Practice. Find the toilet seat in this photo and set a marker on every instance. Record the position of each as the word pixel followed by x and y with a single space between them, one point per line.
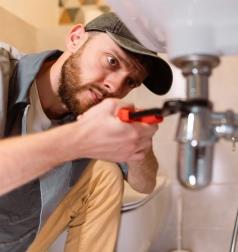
pixel 133 199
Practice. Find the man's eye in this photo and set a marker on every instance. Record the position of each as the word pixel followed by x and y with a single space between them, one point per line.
pixel 132 83
pixel 112 61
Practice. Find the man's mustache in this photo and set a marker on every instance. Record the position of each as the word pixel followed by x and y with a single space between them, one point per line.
pixel 96 88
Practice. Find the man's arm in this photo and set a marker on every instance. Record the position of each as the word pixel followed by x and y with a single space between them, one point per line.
pixel 142 174
pixel 97 134
pixel 27 157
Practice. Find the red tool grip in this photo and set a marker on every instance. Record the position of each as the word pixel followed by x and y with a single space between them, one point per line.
pixel 126 115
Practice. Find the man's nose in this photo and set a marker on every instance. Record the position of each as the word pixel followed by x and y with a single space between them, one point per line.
pixel 115 83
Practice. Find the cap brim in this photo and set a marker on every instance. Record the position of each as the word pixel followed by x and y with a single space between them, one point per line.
pixel 160 77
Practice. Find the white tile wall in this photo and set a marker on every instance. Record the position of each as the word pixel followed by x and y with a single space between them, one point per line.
pixel 225 167
pixel 166 241
pixel 212 207
pixel 208 214
pixel 207 240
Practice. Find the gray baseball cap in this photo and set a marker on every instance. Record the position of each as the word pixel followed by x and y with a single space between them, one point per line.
pixel 160 75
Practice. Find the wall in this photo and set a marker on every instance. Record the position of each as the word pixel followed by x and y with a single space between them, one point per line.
pixel 30 30
pixel 17 32
pixel 209 214
pixel 38 13
pixel 51 37
pixel 28 38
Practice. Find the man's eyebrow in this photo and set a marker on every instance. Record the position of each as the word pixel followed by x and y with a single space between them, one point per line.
pixel 134 61
pixel 121 58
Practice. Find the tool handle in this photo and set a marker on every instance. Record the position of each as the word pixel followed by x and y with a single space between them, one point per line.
pixel 130 115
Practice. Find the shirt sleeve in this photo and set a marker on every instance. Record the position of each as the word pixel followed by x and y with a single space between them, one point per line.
pixel 124 168
pixel 8 58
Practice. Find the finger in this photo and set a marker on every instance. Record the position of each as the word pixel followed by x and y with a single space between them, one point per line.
pixel 144 146
pixel 138 156
pixel 145 130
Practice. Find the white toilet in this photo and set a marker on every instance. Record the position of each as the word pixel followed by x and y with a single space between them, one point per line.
pixel 143 217
pixel 142 221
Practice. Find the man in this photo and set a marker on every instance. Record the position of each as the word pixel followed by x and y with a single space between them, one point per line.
pixel 67 104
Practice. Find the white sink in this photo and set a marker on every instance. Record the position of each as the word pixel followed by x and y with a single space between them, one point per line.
pixel 185 26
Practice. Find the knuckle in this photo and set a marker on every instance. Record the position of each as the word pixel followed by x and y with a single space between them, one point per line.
pixel 135 135
pixel 110 101
pixel 142 156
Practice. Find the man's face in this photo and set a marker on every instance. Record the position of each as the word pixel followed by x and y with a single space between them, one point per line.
pixel 98 70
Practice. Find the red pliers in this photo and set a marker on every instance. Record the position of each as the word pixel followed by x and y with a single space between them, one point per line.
pixel 156 115
pixel 150 116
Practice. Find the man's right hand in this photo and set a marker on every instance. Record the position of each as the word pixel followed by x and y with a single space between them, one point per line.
pixel 97 134
pixel 100 134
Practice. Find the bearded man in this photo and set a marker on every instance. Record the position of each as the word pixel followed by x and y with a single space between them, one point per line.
pixel 58 122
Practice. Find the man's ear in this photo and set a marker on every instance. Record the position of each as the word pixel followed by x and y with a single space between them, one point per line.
pixel 76 37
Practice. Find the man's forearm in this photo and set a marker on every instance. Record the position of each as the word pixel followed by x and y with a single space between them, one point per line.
pixel 142 174
pixel 24 158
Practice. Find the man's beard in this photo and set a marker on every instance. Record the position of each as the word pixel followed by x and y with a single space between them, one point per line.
pixel 71 88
